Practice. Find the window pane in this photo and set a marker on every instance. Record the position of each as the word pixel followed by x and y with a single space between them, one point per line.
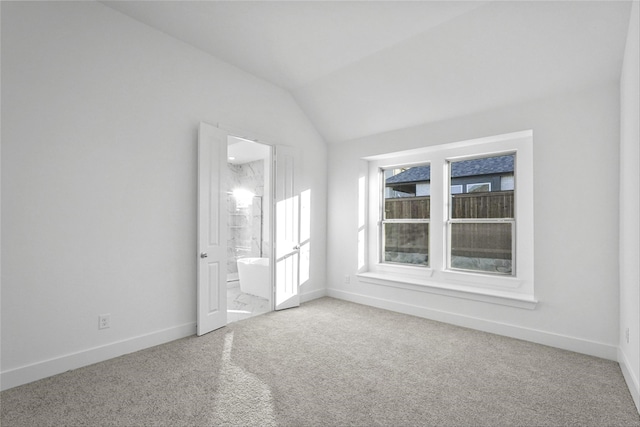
pixel 406 243
pixel 407 193
pixel 482 247
pixel 488 187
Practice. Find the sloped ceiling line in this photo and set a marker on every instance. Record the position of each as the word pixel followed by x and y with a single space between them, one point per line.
pixel 362 68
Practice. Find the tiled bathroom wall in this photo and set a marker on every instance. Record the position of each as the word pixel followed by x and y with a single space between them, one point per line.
pixel 246 219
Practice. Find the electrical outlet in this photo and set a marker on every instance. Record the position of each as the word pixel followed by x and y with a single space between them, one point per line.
pixel 104 321
pixel 626 335
pixel 347 279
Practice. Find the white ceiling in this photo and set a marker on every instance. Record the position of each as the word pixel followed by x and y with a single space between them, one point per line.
pixel 365 67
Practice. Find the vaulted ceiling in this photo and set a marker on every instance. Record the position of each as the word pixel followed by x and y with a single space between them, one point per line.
pixel 366 67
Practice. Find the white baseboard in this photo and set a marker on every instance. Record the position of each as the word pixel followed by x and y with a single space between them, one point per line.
pixel 630 378
pixel 564 342
pixel 36 371
pixel 309 296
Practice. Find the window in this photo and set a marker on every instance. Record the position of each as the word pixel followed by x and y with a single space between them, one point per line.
pixel 506 182
pixel 478 188
pixel 405 216
pixel 481 222
pixel 455 219
pixel 456 189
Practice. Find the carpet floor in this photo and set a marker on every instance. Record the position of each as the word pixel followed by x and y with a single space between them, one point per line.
pixel 333 363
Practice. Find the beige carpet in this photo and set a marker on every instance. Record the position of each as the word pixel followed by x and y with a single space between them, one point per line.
pixel 333 363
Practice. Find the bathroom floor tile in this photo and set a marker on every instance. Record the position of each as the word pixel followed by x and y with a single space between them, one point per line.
pixel 242 306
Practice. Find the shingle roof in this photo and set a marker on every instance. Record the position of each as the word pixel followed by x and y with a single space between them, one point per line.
pixel 484 166
pixel 415 174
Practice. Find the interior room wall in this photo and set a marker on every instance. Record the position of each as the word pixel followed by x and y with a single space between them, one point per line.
pixel 100 117
pixel 630 208
pixel 576 160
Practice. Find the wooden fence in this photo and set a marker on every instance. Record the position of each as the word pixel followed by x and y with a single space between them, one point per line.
pixel 497 204
pixel 481 240
pixel 408 207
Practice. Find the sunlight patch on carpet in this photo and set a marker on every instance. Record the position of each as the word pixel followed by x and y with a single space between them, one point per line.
pixel 242 399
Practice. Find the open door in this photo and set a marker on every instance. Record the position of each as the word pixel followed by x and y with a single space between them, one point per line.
pixel 212 229
pixel 287 232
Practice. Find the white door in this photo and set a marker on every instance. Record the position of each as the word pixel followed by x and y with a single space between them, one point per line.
pixel 287 254
pixel 212 229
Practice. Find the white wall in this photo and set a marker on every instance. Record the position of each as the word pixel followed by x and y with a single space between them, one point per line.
pixel 576 158
pixel 629 356
pixel 100 117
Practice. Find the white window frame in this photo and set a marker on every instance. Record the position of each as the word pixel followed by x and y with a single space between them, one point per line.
pixel 515 290
pixel 450 221
pixel 382 222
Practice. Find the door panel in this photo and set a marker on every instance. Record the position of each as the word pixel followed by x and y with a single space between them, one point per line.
pixel 287 254
pixel 212 229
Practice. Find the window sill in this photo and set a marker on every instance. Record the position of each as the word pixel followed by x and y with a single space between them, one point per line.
pixel 453 284
pixel 470 278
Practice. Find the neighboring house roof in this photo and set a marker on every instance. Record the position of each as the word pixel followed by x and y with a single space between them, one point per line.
pixel 415 174
pixel 485 166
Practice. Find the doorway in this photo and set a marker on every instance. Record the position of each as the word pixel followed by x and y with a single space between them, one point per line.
pixel 249 228
pixel 280 230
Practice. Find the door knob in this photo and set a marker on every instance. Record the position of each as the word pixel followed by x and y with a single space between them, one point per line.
pixel 203 255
